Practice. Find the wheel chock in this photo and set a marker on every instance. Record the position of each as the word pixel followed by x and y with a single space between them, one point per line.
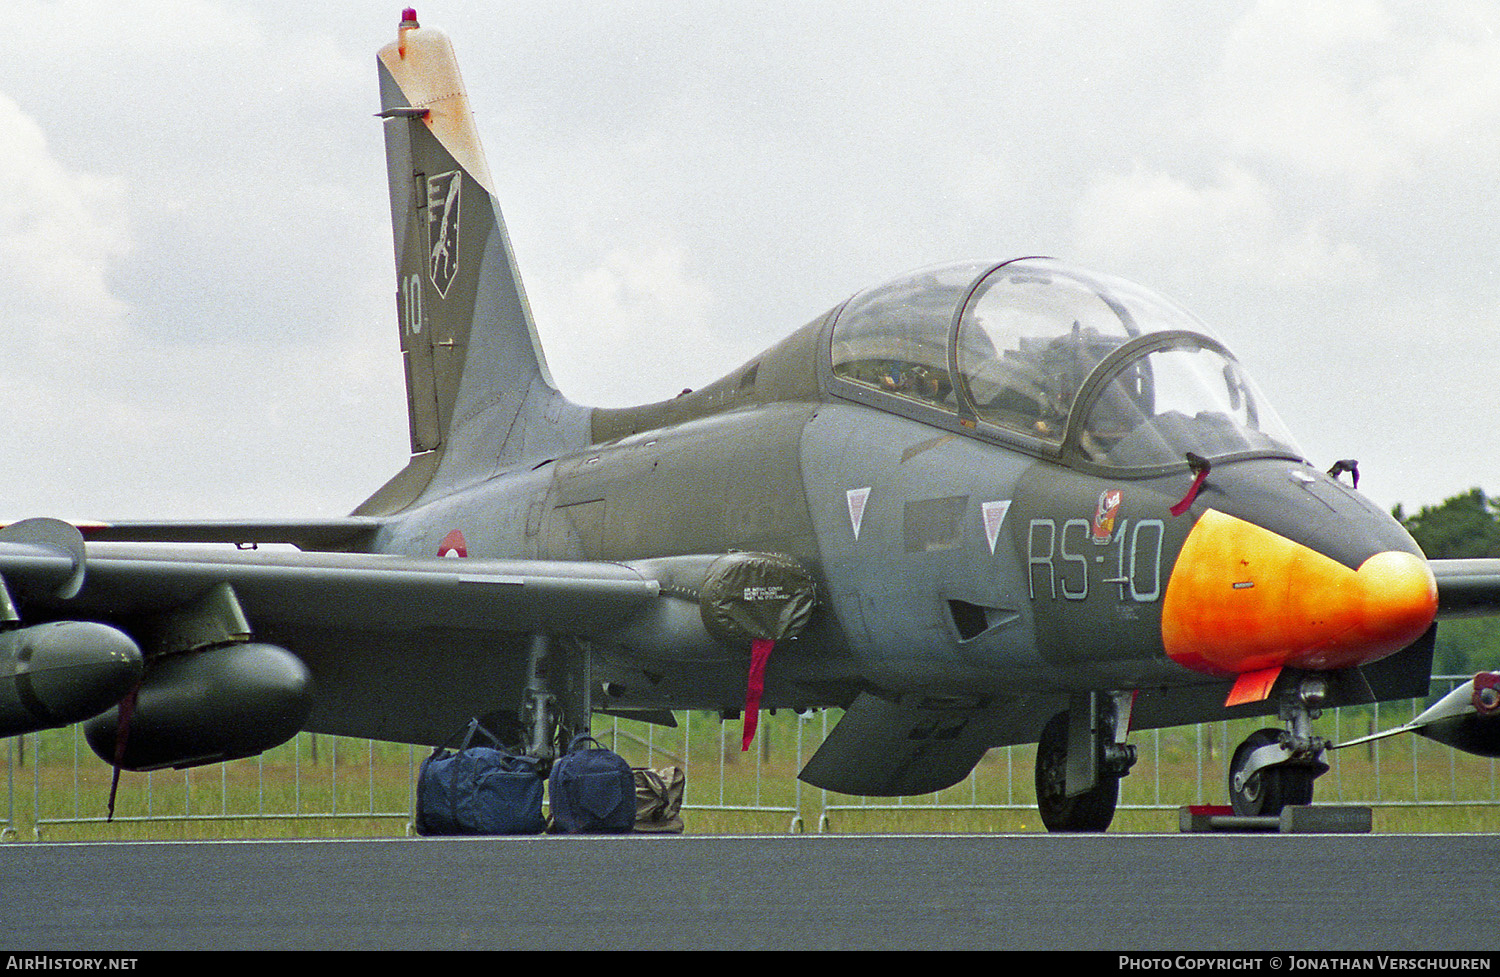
pixel 1294 819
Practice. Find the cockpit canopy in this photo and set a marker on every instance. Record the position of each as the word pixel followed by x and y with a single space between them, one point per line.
pixel 1057 360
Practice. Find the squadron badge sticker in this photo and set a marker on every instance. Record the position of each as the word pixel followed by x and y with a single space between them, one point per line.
pixel 442 229
pixel 1105 513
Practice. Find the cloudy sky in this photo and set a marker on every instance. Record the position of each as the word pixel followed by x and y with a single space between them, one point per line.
pixel 196 281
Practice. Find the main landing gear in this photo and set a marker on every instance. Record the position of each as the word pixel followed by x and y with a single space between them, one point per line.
pixel 556 703
pixel 1272 769
pixel 1079 762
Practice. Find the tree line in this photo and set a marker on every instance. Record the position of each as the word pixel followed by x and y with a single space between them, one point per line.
pixel 1467 526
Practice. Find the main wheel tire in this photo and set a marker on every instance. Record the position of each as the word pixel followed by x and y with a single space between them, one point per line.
pixel 1268 790
pixel 1093 810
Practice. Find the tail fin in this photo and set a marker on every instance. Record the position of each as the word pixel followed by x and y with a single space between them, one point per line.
pixel 477 384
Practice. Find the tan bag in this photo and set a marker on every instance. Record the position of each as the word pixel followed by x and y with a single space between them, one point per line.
pixel 658 799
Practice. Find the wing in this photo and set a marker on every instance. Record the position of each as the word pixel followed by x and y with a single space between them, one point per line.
pixel 292 592
pixel 1467 588
pixel 373 645
pixel 395 647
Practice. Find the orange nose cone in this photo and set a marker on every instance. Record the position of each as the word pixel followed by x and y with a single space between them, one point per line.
pixel 1242 598
pixel 1400 599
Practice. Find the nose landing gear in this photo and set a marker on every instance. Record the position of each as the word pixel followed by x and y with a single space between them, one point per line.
pixel 1273 769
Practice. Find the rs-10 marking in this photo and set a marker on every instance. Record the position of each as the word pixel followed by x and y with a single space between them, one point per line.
pixel 1065 556
pixel 410 304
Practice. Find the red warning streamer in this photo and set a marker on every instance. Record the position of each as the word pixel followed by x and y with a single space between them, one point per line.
pixel 1201 467
pixel 760 653
pixel 122 731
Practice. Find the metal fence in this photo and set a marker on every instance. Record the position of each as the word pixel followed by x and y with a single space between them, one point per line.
pixel 320 785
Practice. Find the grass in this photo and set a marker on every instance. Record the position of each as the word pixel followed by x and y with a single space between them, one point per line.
pixel 321 786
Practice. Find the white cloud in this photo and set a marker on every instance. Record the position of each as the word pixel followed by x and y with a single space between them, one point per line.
pixel 61 234
pixel 1290 88
pixel 87 25
pixel 1359 92
pixel 627 325
pixel 1445 110
pixel 105 417
pixel 1229 230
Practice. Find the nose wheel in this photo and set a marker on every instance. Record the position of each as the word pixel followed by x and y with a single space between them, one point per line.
pixel 1273 769
pixel 1264 791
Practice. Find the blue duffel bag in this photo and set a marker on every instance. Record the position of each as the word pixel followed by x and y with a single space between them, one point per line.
pixel 479 790
pixel 591 790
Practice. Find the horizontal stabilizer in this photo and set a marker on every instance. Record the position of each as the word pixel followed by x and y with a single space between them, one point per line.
pixel 350 532
pixel 48 552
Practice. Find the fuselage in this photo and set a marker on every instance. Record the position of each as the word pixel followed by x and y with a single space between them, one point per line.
pixel 960 544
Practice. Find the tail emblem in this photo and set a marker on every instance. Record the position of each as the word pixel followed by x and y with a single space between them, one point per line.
pixel 442 229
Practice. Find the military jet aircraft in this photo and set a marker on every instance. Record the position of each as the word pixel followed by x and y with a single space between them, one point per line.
pixel 988 503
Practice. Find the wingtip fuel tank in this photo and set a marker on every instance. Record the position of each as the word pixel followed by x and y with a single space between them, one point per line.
pixel 62 672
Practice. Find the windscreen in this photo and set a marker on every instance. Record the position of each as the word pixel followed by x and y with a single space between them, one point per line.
pixel 1156 407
